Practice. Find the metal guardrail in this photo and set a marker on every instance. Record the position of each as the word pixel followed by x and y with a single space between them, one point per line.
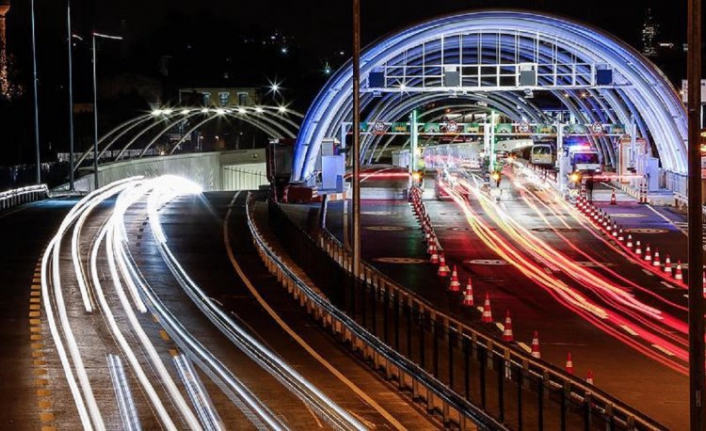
pixel 438 398
pixel 557 394
pixel 15 197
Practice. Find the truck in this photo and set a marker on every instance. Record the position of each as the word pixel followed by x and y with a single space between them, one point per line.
pixel 585 160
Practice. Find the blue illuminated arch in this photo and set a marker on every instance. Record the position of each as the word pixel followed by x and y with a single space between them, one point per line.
pixel 647 98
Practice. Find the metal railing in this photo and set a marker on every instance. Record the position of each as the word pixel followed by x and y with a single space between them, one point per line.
pixel 438 398
pixel 503 380
pixel 15 197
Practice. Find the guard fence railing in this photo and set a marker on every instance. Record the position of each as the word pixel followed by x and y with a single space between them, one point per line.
pixel 500 378
pixel 455 411
pixel 14 197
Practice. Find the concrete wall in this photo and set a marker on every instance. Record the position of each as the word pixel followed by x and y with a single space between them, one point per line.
pixel 205 169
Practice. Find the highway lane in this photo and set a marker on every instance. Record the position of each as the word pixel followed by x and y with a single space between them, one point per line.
pixel 25 231
pixel 532 307
pixel 195 232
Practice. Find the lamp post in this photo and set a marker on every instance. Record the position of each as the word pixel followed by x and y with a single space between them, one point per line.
pixel 697 374
pixel 71 95
pixel 36 101
pixel 356 140
pixel 95 35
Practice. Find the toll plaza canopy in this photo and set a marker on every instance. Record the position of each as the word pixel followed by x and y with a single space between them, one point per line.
pixel 501 58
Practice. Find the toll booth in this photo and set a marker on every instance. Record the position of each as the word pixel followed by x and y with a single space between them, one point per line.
pixel 333 165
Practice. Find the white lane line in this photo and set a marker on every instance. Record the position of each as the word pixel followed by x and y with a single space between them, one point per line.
pixel 663 350
pixel 357 390
pixel 629 330
pixel 671 286
pixel 648 272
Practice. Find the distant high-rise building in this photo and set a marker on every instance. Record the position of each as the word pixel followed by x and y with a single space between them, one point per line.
pixel 4 80
pixel 649 32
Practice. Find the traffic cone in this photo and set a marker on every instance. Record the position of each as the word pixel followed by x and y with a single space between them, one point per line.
pixel 468 295
pixel 615 230
pixel 678 275
pixel 569 364
pixel 434 255
pixel 638 248
pixel 648 253
pixel 613 200
pixel 656 262
pixel 507 331
pixel 589 377
pixel 454 286
pixel 668 265
pixel 703 281
pixel 535 346
pixel 629 243
pixel 443 268
pixel 621 236
pixel 607 225
pixel 430 244
pixel 487 313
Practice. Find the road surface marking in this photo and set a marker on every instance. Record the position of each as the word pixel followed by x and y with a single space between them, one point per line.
pixel 163 334
pixel 666 283
pixel 35 322
pixel 480 309
pixel 524 346
pixel 629 330
pixel 46 417
pixel 43 392
pixel 296 337
pixel 36 286
pixel 35 293
pixel 39 362
pixel 647 272
pixel 500 326
pixel 34 307
pixel 35 314
pixel 663 350
pixel 44 404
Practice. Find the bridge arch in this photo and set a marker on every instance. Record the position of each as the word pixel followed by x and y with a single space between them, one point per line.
pixel 566 56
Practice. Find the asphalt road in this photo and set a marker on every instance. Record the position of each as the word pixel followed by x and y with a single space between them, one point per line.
pixel 24 232
pixel 390 238
pixel 194 228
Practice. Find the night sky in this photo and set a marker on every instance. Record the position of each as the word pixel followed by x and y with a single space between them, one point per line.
pixel 324 25
pixel 317 30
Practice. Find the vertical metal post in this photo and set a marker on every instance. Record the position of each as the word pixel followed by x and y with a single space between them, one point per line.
pixel 697 374
pixel 95 114
pixel 356 139
pixel 36 102
pixel 71 95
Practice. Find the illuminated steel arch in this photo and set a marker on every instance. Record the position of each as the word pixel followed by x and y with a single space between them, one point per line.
pixel 486 52
pixel 273 120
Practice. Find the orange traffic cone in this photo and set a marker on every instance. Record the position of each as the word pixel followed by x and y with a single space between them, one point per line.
pixel 507 331
pixel 629 243
pixel 454 286
pixel 613 200
pixel 434 255
pixel 668 265
pixel 468 294
pixel 443 268
pixel 589 377
pixel 638 248
pixel 678 275
pixel 569 364
pixel 487 313
pixel 535 346
pixel 656 262
pixel 648 253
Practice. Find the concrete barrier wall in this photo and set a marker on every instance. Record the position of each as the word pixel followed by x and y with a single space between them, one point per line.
pixel 205 169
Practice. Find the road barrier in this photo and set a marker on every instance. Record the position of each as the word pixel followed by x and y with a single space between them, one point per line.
pixel 15 197
pixel 455 410
pixel 500 378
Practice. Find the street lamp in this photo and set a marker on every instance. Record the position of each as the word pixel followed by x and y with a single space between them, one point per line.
pixel 36 99
pixel 69 42
pixel 95 35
